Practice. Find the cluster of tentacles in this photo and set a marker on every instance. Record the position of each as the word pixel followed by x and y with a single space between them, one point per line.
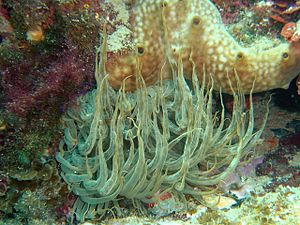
pixel 164 138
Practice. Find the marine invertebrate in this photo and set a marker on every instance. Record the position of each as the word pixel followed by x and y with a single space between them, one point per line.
pixel 35 35
pixel 163 138
pixel 291 31
pixel 284 11
pixel 193 28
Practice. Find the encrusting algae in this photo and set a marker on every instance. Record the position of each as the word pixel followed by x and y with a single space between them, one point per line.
pixel 172 29
pixel 166 138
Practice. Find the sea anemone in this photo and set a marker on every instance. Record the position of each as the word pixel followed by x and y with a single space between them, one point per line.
pixel 165 138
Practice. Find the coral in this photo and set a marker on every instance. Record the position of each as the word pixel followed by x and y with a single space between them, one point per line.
pixel 162 138
pixel 192 29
